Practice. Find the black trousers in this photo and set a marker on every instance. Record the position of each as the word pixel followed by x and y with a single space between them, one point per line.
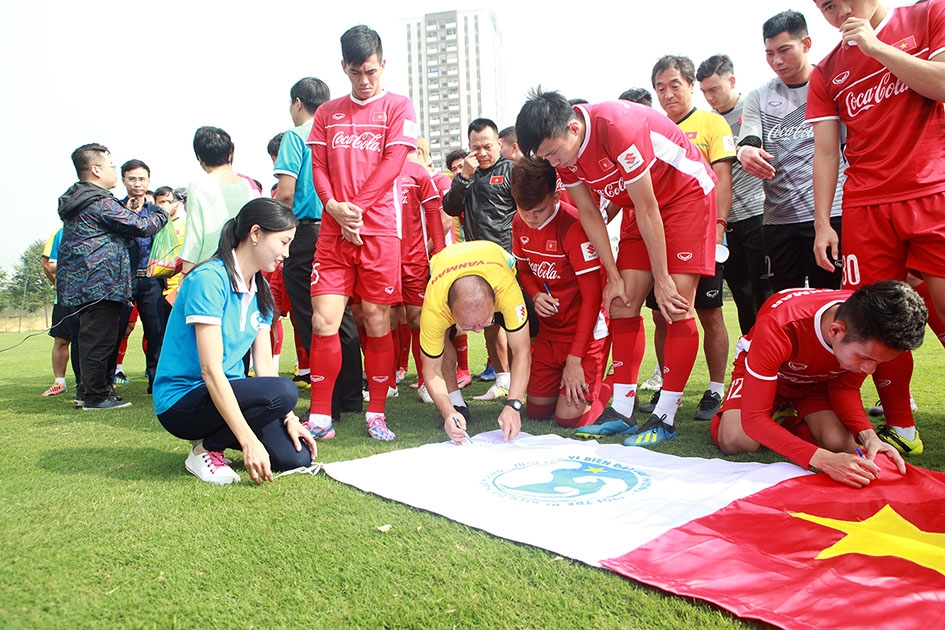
pixel 98 330
pixel 297 276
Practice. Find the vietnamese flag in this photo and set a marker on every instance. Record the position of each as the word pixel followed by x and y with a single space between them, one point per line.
pixel 810 553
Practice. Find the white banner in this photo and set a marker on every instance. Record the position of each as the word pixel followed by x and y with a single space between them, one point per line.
pixel 582 500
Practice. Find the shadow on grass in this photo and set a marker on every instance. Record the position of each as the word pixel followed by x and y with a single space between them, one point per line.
pixel 125 464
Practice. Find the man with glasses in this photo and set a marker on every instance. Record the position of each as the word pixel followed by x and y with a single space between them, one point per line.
pixel 94 274
pixel 472 287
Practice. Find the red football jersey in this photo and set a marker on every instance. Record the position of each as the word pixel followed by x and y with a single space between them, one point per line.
pixel 558 258
pixel 786 354
pixel 421 204
pixel 895 136
pixel 349 139
pixel 623 142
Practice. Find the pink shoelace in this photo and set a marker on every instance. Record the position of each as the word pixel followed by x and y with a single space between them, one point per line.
pixel 215 460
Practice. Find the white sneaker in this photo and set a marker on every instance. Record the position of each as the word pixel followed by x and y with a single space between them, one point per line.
pixel 655 382
pixel 493 393
pixel 424 395
pixel 392 392
pixel 210 466
pixel 877 409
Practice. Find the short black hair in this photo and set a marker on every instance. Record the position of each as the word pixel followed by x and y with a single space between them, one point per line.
pixel 716 64
pixel 164 190
pixel 637 95
pixel 455 154
pixel 213 146
pixel 311 92
pixel 669 62
pixel 544 115
pixel 274 143
pixel 508 134
pixel 791 21
pixel 888 311
pixel 131 165
pixel 358 43
pixel 87 156
pixel 479 124
pixel 531 181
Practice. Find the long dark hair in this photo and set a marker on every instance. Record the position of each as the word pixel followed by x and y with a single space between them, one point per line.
pixel 271 216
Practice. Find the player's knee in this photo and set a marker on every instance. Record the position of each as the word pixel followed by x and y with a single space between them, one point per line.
pixel 540 411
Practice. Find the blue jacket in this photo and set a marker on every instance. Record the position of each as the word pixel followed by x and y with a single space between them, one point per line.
pixel 93 255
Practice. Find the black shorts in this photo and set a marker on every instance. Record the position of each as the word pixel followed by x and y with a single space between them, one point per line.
pixel 791 250
pixel 708 292
pixel 63 322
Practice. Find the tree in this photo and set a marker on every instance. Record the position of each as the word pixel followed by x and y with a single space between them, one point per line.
pixel 29 289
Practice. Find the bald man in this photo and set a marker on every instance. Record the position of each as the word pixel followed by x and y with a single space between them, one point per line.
pixel 472 286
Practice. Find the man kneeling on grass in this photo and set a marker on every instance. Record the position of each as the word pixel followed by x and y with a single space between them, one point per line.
pixel 813 349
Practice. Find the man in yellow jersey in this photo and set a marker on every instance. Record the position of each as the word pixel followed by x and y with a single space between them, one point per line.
pixel 472 286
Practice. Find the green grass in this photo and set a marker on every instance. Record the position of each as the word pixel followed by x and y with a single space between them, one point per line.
pixel 100 525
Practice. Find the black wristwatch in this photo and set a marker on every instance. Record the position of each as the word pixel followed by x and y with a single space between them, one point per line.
pixel 514 404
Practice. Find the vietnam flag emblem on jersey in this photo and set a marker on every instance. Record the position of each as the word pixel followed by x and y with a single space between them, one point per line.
pixel 605 164
pixel 496 180
pixel 907 43
pixel 379 117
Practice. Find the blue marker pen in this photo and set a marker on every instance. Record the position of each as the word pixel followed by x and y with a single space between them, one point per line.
pixel 548 291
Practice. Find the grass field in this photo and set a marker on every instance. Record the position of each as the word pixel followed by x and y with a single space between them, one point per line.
pixel 101 526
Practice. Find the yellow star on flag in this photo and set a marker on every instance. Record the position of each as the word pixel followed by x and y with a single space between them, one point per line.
pixel 594 469
pixel 886 533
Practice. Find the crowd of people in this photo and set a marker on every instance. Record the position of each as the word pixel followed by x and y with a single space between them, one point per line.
pixel 783 193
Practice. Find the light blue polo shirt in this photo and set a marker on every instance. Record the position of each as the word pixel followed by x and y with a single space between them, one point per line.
pixel 206 297
pixel 295 160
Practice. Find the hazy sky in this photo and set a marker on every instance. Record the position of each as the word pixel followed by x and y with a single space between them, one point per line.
pixel 140 77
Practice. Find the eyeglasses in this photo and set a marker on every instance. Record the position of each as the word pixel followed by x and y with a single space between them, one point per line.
pixel 476 327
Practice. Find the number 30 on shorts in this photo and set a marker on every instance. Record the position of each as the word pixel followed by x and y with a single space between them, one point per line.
pixel 851 271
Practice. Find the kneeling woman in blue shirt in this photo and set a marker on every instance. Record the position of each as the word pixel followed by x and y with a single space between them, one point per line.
pixel 201 392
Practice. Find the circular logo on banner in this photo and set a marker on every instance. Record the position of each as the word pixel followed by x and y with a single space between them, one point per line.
pixel 579 481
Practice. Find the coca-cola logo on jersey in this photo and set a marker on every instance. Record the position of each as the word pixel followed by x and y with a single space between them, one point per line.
pixel 612 190
pixel 857 103
pixel 797 132
pixel 366 141
pixel 545 270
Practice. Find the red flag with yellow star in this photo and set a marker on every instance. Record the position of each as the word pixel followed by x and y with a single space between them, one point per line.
pixel 810 553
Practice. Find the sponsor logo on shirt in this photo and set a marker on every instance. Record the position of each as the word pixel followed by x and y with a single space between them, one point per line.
pixel 524 240
pixel 389 290
pixel 882 383
pixel 521 313
pixel 612 190
pixel 797 367
pixel 857 103
pixel 589 252
pixel 841 78
pixel 631 159
pixel 316 378
pixel 410 129
pixel 551 246
pixel 545 270
pixel 797 132
pixel 712 293
pixel 337 116
pixel 497 180
pixel 366 141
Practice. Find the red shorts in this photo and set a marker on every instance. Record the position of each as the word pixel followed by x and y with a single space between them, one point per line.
pixel 548 358
pixel 882 242
pixel 371 270
pixel 689 230
pixel 277 286
pixel 806 399
pixel 414 278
